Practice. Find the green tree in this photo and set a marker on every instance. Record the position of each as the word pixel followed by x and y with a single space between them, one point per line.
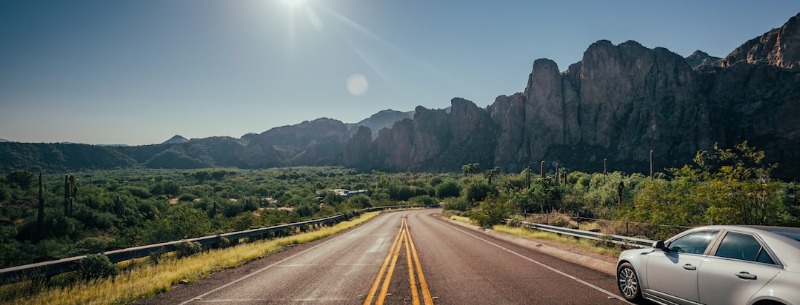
pixel 360 201
pixel 448 188
pixel 477 191
pixel 736 184
pixel 490 212
pixel 491 174
pixel 469 169
pixel 544 195
pixel 21 178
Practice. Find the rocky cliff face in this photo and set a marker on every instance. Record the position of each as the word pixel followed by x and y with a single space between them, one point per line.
pixel 702 59
pixel 779 47
pixel 318 142
pixel 436 140
pixel 618 103
pixel 382 119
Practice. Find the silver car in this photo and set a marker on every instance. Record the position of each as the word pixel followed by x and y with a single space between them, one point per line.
pixel 725 265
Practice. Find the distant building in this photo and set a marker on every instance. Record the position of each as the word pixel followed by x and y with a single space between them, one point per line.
pixel 345 194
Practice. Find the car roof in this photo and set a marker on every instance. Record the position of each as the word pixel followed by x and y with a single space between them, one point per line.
pixel 752 228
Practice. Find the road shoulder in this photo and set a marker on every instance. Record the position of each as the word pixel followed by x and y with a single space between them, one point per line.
pixel 602 263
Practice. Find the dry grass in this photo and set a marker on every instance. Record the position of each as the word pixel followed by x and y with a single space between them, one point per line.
pixel 597 247
pixel 144 280
pixel 462 219
pixel 591 245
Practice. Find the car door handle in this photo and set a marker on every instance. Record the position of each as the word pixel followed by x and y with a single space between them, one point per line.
pixel 746 276
pixel 689 267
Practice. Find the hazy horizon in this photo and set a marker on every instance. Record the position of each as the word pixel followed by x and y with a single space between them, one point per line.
pixel 134 73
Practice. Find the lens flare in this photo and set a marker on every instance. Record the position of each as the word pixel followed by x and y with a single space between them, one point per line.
pixel 357 84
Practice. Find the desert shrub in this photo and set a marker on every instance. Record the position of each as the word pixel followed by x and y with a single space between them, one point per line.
pixel 232 209
pixel 187 198
pixel 156 256
pixel 224 242
pixel 305 210
pixel 456 204
pixel 490 212
pixel 188 248
pixel 400 193
pixel 89 245
pixel 478 191
pixel 94 218
pixel 182 222
pixel 360 202
pixel 424 200
pixel 140 192
pixel 95 266
pixel 447 189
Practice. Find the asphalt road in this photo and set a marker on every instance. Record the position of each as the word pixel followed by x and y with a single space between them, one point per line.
pixel 426 259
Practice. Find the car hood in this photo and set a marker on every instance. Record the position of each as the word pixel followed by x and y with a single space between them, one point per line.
pixel 635 252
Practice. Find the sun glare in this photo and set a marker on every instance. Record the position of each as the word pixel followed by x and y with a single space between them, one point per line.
pixel 294 3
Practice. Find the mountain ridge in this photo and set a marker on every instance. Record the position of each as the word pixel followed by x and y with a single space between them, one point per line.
pixel 176 139
pixel 617 103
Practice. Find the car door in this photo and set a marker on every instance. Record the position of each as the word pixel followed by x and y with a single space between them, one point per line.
pixel 739 266
pixel 672 275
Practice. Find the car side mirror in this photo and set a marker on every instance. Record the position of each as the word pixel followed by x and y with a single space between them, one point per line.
pixel 659 244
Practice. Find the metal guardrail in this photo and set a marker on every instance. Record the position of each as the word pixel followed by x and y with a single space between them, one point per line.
pixel 616 239
pixel 55 267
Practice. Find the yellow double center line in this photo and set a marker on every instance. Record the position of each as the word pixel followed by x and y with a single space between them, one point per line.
pixel 390 262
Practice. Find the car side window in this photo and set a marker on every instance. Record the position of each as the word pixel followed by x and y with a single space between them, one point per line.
pixel 743 247
pixel 693 243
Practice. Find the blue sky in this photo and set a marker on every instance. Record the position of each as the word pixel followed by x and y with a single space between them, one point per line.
pixel 138 72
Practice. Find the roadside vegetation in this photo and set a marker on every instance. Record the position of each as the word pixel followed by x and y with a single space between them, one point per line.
pixel 93 212
pixel 722 186
pixel 598 247
pixel 143 278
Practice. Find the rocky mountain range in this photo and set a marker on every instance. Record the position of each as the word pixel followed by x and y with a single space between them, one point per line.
pixel 618 103
pixel 177 139
pixel 699 59
pixel 380 120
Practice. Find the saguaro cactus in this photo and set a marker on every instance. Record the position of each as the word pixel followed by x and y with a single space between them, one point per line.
pixel 70 192
pixel 557 175
pixel 527 177
pixel 40 216
pixel 541 169
pixel 66 195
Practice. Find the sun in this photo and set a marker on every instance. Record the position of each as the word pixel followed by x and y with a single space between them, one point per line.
pixel 294 3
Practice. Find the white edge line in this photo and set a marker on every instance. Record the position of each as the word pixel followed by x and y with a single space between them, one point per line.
pixel 545 266
pixel 200 297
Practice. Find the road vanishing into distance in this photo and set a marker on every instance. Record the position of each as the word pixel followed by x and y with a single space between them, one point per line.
pixel 426 259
